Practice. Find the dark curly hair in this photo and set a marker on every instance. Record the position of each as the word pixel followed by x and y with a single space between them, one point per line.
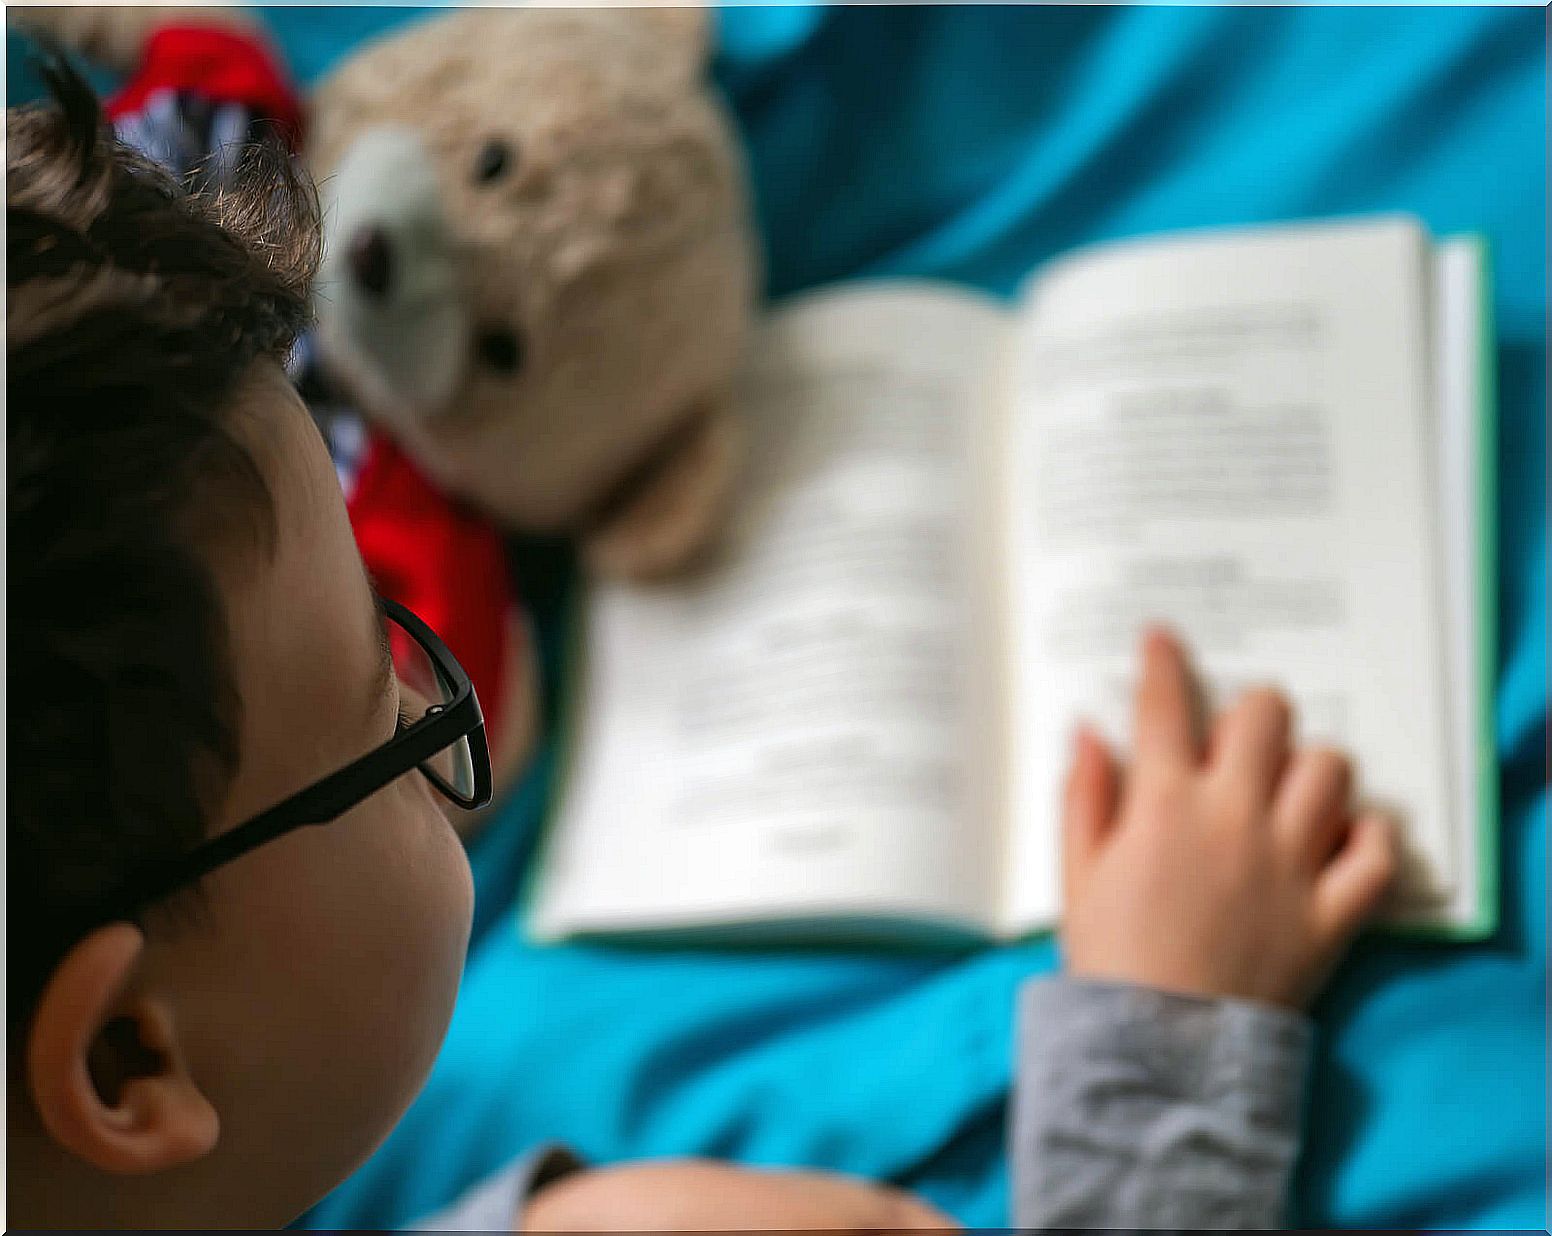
pixel 134 308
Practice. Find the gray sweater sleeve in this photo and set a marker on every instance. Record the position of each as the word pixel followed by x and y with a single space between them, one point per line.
pixel 492 1205
pixel 1135 1108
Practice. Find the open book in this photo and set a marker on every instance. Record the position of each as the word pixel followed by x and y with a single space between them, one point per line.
pixel 854 723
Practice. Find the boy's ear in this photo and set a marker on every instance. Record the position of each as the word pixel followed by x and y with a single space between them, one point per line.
pixel 105 1068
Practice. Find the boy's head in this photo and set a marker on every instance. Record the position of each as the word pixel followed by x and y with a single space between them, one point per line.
pixel 191 640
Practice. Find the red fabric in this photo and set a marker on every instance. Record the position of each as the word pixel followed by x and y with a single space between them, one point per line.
pixel 225 66
pixel 446 563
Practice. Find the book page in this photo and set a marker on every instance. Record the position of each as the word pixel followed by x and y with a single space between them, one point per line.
pixel 1233 434
pixel 1458 311
pixel 785 734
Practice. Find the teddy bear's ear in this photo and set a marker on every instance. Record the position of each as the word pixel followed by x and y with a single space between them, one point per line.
pixel 685 32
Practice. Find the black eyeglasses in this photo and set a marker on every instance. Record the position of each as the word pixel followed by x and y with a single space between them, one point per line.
pixel 441 732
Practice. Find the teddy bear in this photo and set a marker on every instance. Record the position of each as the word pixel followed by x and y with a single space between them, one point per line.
pixel 539 273
pixel 540 268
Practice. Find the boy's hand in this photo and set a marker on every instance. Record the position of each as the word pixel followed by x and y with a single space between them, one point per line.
pixel 1240 871
pixel 689 1195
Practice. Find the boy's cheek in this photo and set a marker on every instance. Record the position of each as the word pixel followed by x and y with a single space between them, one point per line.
pixel 384 910
pixel 371 912
pixel 412 886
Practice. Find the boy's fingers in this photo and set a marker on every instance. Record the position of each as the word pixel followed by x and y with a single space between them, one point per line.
pixel 1311 805
pixel 1250 747
pixel 1355 880
pixel 1165 723
pixel 1090 801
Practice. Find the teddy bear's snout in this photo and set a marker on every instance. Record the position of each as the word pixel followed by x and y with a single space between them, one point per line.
pixel 369 258
pixel 391 301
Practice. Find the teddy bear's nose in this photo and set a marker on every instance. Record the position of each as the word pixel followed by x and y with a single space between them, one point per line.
pixel 370 258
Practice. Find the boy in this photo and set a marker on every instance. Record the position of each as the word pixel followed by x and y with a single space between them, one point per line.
pixel 240 914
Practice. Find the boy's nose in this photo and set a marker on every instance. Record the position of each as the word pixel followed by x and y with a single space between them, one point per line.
pixel 369 256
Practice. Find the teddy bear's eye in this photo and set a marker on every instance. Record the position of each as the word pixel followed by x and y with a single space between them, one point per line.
pixel 495 157
pixel 500 349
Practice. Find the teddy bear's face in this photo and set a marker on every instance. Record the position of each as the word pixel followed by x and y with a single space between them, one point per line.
pixel 537 248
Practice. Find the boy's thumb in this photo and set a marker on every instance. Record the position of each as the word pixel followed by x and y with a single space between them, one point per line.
pixel 1090 800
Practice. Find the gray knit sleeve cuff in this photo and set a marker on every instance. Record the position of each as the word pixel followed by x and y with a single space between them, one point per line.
pixel 496 1203
pixel 1138 1108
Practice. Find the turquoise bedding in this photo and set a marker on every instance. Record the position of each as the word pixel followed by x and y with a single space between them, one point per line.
pixel 974 143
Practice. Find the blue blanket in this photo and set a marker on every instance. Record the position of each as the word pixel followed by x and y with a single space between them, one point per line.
pixel 973 144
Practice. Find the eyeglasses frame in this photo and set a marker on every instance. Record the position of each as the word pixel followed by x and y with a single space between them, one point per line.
pixel 331 796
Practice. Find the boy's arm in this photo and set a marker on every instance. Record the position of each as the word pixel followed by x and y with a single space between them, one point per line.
pixel 551 1191
pixel 1206 894
pixel 1136 1108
